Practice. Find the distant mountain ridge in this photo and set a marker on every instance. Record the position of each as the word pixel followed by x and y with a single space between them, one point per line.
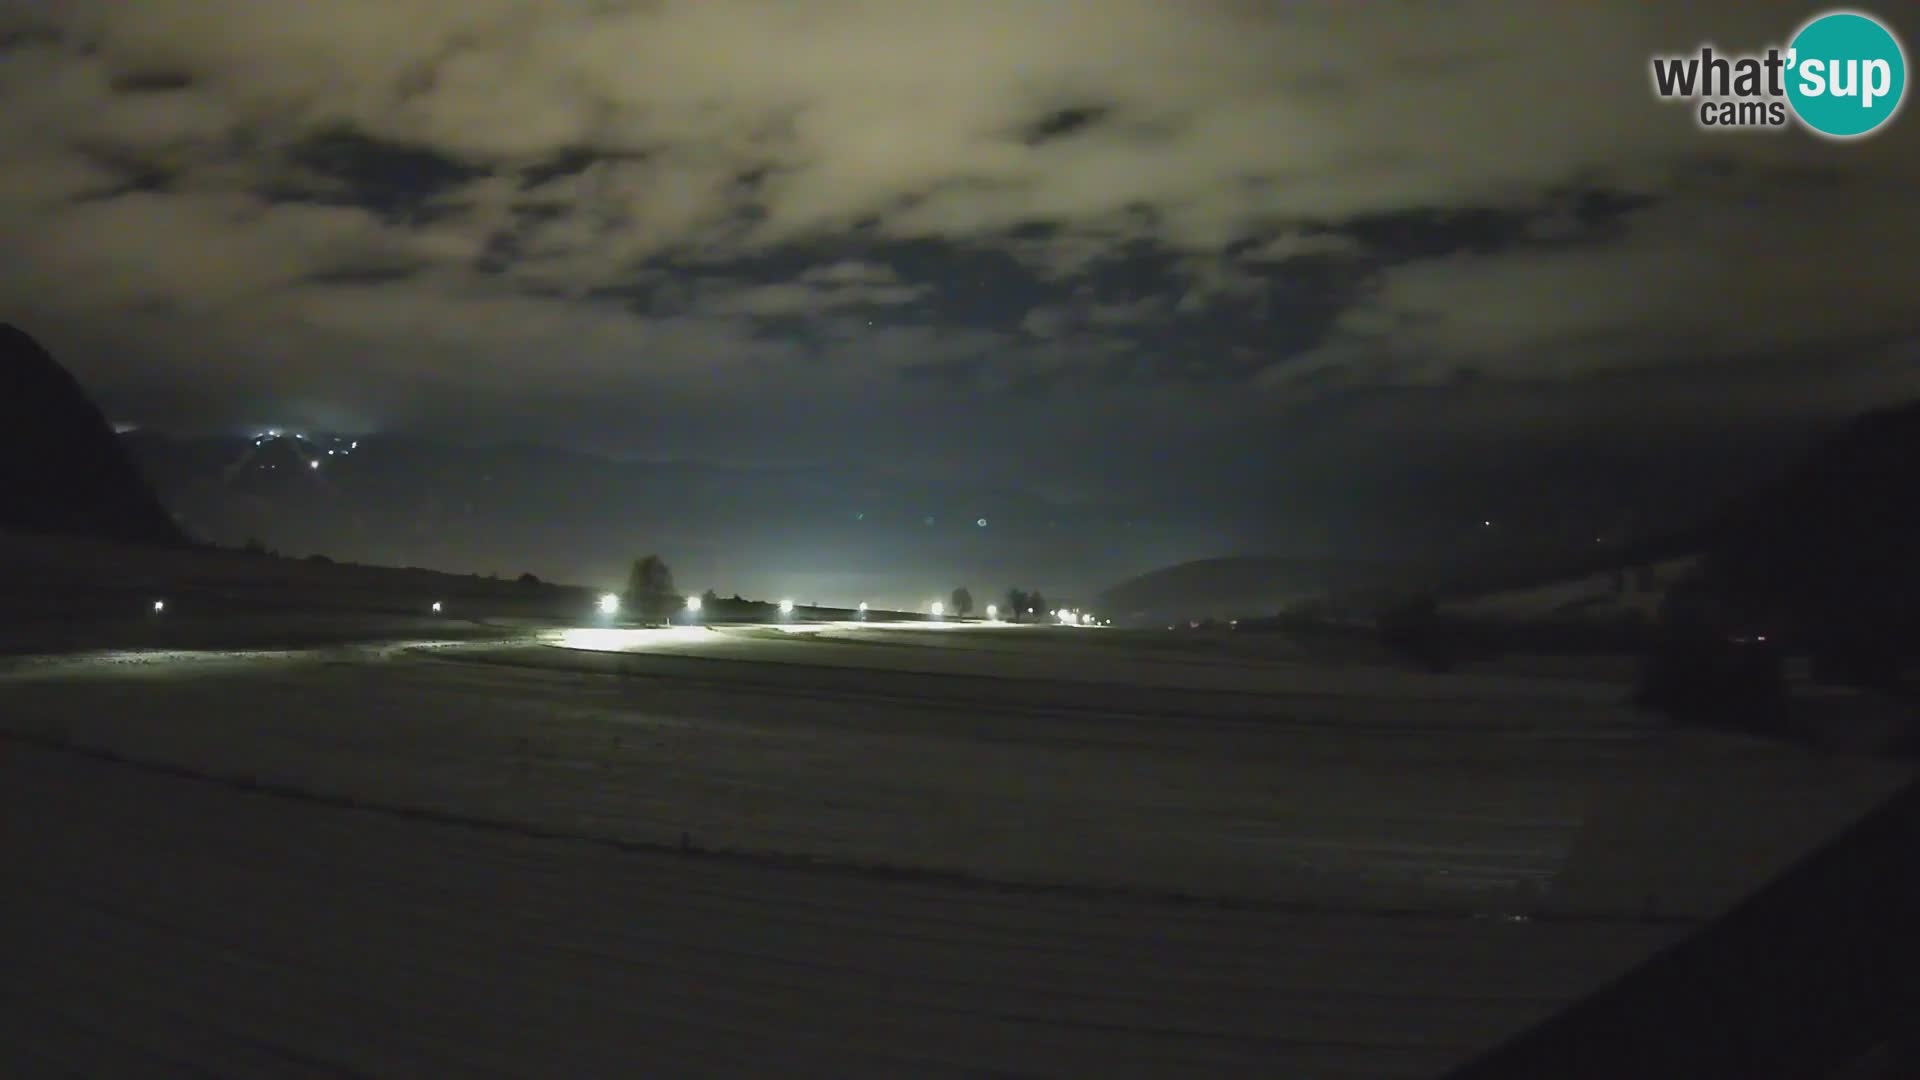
pixel 818 532
pixel 1242 586
pixel 62 468
pixel 1842 523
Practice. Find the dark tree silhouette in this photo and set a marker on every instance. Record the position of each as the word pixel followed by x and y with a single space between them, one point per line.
pixel 650 589
pixel 1016 605
pixel 962 602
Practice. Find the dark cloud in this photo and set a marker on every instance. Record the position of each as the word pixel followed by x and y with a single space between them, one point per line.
pixel 151 81
pixel 1167 220
pixel 1065 123
pixel 392 179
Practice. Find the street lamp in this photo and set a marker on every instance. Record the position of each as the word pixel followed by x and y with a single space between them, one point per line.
pixel 609 604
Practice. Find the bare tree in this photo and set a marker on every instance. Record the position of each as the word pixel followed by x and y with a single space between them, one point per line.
pixel 962 602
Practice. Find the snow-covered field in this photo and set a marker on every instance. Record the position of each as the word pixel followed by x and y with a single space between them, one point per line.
pixel 913 851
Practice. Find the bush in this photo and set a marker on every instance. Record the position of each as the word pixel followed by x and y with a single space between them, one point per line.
pixel 1416 631
pixel 529 579
pixel 1710 681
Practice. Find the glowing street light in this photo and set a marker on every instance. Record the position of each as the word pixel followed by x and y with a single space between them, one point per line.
pixel 436 607
pixel 863 607
pixel 609 604
pixel 786 607
pixel 159 606
pixel 313 464
pixel 693 605
pixel 993 613
pixel 938 609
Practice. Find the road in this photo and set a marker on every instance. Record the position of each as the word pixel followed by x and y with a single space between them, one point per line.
pixel 857 851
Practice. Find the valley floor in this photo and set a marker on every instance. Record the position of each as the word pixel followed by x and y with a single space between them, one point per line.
pixel 846 851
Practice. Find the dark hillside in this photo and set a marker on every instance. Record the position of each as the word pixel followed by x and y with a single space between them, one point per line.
pixel 62 468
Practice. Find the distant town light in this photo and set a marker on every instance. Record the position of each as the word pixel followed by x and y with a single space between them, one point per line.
pixel 436 607
pixel 609 604
pixel 786 607
pixel 159 606
pixel 693 604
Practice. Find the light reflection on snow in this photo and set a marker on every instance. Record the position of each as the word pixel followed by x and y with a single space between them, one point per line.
pixel 627 639
pixel 618 639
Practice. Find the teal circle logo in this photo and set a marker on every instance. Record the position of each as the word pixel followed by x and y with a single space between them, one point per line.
pixel 1847 74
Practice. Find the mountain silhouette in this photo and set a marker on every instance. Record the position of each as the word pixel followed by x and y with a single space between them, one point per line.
pixel 62 468
pixel 1832 547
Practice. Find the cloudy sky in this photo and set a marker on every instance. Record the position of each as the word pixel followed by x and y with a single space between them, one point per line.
pixel 1104 248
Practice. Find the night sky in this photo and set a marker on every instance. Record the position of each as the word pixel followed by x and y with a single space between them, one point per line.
pixel 1253 262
